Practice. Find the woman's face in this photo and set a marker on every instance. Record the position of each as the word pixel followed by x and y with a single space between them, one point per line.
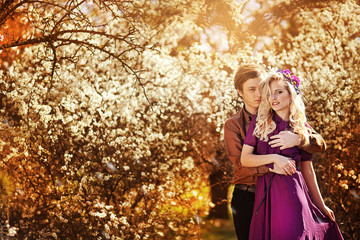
pixel 279 98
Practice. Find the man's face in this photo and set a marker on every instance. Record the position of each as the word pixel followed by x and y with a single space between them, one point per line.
pixel 251 94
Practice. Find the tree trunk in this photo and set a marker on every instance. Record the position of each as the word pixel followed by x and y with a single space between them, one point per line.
pixel 219 195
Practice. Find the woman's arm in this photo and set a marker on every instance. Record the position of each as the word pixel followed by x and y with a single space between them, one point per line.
pixel 249 159
pixel 308 173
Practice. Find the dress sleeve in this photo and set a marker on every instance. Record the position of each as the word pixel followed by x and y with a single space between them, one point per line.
pixel 305 156
pixel 250 139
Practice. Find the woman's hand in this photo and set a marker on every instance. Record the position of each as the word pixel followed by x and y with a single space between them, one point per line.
pixel 328 212
pixel 286 164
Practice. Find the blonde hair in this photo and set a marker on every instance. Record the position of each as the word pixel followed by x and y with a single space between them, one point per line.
pixel 264 121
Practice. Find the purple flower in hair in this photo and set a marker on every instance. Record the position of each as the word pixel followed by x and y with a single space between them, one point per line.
pixel 295 80
pixel 286 72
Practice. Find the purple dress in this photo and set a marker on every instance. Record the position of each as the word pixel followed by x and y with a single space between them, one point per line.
pixel 287 211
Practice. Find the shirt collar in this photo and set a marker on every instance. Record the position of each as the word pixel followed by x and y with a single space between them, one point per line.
pixel 281 124
pixel 248 115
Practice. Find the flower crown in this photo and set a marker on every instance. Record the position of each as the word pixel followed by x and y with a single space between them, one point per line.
pixel 293 80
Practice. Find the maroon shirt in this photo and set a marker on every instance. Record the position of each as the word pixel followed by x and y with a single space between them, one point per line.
pixel 234 134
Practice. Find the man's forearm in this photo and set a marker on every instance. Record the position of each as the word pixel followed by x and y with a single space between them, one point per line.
pixel 316 144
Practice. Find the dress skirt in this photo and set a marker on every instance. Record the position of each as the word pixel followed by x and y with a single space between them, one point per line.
pixel 287 212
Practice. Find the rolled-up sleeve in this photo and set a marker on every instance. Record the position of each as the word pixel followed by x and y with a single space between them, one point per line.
pixel 316 142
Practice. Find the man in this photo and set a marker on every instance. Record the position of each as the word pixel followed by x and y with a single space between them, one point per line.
pixel 247 81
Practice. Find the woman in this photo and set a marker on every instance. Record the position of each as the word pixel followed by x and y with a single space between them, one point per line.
pixel 283 208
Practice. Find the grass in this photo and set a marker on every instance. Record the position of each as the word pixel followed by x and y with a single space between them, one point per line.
pixel 218 230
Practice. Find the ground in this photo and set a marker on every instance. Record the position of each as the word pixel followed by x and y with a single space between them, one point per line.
pixel 218 230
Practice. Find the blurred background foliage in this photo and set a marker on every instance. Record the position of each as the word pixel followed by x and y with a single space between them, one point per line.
pixel 112 111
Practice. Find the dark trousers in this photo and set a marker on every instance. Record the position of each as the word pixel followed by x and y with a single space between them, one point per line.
pixel 242 205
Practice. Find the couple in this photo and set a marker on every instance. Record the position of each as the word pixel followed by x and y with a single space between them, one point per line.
pixel 269 141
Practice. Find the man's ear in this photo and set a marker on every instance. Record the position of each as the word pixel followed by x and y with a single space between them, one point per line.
pixel 240 92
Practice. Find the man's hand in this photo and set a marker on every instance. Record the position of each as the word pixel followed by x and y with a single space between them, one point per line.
pixel 285 139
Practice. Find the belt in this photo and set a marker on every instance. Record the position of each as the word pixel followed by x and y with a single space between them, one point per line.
pixel 245 188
